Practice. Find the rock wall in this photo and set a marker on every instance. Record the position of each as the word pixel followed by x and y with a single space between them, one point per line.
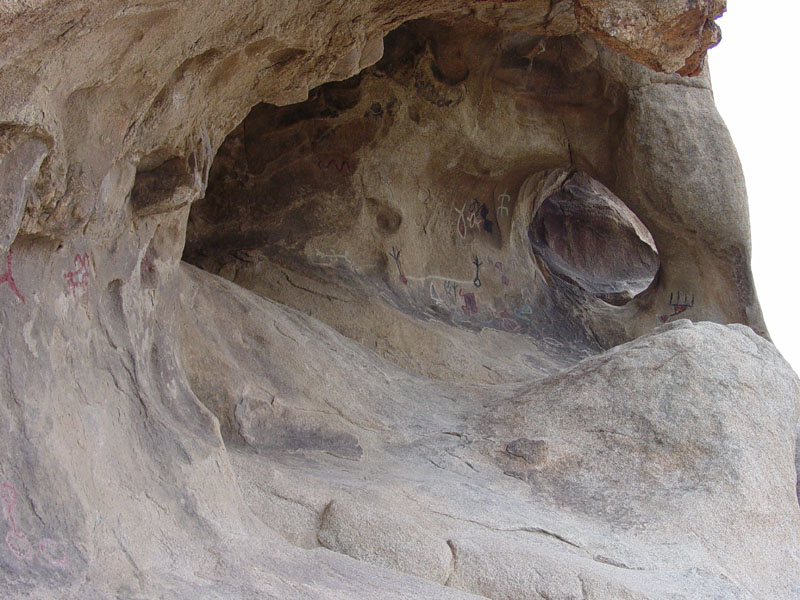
pixel 447 356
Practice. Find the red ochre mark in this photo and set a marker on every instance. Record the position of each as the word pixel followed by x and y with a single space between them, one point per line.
pixel 53 552
pixel 18 542
pixel 677 310
pixel 9 496
pixel 8 277
pixel 503 278
pixel 677 306
pixel 395 254
pixel 146 266
pixel 79 278
pixel 19 545
pixel 341 166
pixel 470 304
pixel 508 322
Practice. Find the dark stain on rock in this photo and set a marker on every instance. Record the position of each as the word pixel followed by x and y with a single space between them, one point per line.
pixel 387 219
pixel 532 451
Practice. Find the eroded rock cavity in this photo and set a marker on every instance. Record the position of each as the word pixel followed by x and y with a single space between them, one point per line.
pixel 459 180
pixel 588 237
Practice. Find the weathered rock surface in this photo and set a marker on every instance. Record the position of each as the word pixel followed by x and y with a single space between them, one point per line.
pixel 436 346
pixel 402 186
pixel 657 464
pixel 668 36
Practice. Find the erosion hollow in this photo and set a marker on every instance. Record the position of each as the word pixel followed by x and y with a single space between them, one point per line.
pixel 588 237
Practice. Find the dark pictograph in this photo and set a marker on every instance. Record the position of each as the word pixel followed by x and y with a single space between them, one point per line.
pixel 678 304
pixel 395 254
pixel 477 280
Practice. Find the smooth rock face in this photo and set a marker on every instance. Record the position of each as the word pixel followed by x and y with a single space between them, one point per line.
pixel 465 309
pixel 655 464
pixel 384 536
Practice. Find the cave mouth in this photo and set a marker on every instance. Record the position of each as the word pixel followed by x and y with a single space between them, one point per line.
pixel 393 207
pixel 590 238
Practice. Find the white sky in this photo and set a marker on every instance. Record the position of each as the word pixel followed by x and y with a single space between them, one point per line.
pixel 755 77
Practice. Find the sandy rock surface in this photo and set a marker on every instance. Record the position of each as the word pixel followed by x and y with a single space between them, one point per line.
pixel 381 300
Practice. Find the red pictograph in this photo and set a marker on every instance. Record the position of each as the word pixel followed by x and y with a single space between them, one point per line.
pixel 508 322
pixel 53 552
pixel 678 306
pixel 470 304
pixel 78 280
pixel 146 265
pixel 8 277
pixel 18 542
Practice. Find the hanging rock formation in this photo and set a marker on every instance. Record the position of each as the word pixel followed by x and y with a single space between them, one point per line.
pixel 382 300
